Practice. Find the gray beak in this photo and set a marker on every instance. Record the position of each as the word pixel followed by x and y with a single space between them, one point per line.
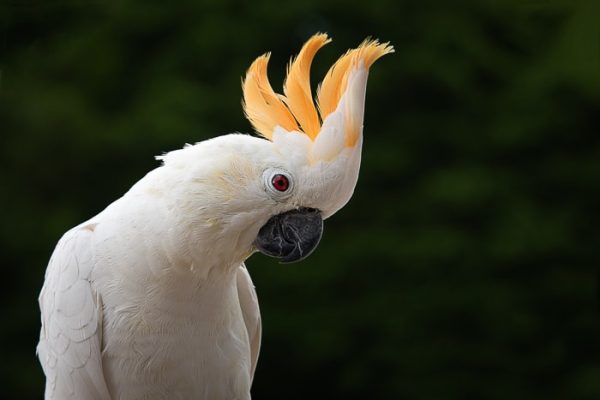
pixel 291 236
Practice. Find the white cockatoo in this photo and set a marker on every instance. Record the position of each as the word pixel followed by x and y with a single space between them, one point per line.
pixel 150 299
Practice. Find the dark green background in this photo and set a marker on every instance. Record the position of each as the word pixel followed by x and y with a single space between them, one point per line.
pixel 466 264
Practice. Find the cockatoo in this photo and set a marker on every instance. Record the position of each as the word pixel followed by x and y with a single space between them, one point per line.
pixel 150 299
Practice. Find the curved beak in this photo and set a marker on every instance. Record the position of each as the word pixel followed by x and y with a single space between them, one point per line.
pixel 291 236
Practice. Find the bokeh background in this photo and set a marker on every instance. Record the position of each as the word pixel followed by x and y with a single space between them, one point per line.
pixel 464 267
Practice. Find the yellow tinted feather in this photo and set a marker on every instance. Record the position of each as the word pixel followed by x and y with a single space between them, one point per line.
pixel 262 106
pixel 298 94
pixel 330 90
pixel 333 86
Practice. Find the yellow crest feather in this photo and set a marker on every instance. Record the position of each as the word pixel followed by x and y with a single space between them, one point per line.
pixel 296 110
pixel 333 86
pixel 298 95
pixel 261 104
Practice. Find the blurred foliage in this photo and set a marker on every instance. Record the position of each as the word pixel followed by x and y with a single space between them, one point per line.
pixel 466 265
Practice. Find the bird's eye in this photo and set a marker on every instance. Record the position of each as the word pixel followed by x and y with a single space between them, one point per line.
pixel 280 182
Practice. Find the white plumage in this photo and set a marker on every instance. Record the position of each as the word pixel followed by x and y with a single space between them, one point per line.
pixel 150 299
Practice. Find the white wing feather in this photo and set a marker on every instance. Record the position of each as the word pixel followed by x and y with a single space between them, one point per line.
pixel 70 339
pixel 251 313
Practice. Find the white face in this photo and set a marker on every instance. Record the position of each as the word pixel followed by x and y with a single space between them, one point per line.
pixel 236 184
pixel 281 175
pixel 324 184
pixel 301 193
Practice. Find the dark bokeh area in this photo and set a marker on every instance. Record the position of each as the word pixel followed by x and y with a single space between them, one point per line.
pixel 464 267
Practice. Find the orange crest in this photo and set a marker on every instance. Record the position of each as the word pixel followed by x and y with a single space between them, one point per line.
pixel 295 110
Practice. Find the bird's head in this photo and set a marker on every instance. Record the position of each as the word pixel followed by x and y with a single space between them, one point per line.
pixel 318 149
pixel 274 192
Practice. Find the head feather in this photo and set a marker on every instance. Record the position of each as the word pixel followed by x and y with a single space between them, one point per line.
pixel 262 106
pixel 298 95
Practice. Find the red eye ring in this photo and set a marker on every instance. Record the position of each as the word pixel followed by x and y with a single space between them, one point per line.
pixel 280 182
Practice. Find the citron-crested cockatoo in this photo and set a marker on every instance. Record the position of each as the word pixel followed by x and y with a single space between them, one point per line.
pixel 150 299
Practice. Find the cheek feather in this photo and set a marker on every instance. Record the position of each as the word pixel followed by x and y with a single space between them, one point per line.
pixel 230 179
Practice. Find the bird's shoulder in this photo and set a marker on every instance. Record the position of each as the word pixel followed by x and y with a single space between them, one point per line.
pixel 70 338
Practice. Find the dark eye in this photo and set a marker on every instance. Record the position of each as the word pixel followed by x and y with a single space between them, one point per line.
pixel 280 182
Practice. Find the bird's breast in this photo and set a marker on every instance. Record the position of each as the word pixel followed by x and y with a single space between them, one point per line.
pixel 177 340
